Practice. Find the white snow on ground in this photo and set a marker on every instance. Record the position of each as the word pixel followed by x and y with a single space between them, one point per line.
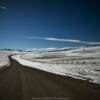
pixel 78 63
pixel 4 60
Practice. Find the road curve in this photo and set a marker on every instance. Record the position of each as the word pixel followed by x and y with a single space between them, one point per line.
pixel 19 82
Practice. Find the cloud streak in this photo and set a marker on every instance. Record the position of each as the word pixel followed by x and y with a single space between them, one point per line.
pixel 3 7
pixel 65 40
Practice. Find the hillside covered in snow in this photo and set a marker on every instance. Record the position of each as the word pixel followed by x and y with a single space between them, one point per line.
pixel 82 63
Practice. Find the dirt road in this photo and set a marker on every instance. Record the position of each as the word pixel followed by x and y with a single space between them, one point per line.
pixel 19 82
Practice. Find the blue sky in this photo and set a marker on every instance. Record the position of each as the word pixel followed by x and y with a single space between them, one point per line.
pixel 77 20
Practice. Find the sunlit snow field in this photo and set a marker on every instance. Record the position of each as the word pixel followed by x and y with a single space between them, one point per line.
pixel 82 63
pixel 4 61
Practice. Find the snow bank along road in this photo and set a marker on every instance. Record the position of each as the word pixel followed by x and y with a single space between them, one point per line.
pixel 19 82
pixel 4 61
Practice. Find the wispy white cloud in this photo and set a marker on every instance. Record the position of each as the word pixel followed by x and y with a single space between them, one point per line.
pixel 3 7
pixel 65 40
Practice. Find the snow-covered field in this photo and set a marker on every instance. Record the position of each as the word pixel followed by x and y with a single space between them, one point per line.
pixel 82 63
pixel 4 60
